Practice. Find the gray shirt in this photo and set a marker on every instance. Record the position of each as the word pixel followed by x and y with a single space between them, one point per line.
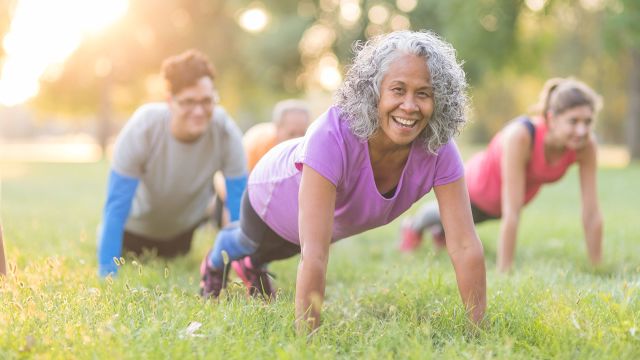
pixel 175 177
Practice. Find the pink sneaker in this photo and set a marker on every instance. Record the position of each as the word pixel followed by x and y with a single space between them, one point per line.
pixel 409 238
pixel 257 281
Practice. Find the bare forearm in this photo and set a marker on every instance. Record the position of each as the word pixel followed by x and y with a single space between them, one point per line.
pixel 310 286
pixel 471 277
pixel 593 236
pixel 507 243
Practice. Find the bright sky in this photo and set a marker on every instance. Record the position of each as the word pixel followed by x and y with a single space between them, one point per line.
pixel 42 35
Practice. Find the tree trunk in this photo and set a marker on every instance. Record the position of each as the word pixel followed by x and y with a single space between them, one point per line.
pixel 633 115
pixel 104 115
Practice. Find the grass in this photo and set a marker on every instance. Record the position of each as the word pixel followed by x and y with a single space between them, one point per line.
pixel 379 303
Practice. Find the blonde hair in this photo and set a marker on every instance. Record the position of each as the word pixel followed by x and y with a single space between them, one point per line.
pixel 561 94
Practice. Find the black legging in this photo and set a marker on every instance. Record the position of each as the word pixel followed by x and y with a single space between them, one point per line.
pixel 177 245
pixel 271 246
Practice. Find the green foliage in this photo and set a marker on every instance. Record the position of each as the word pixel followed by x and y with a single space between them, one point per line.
pixel 622 25
pixel 380 303
pixel 507 48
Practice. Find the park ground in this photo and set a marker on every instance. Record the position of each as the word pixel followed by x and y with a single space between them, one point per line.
pixel 379 303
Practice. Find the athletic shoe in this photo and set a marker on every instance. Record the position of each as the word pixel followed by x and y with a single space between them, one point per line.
pixel 257 281
pixel 438 238
pixel 409 238
pixel 212 280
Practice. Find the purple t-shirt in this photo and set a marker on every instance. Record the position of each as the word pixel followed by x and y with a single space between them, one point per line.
pixel 331 149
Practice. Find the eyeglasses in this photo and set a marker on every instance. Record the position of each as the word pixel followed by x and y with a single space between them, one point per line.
pixel 189 104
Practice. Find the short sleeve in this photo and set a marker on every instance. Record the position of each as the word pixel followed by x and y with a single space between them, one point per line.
pixel 131 147
pixel 234 161
pixel 323 148
pixel 449 166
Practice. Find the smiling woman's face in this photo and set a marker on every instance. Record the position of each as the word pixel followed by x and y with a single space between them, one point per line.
pixel 572 127
pixel 406 99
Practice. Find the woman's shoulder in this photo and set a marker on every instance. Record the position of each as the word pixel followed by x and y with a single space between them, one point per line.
pixel 520 131
pixel 420 155
pixel 332 123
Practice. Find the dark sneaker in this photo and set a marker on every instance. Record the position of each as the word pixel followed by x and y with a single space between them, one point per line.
pixel 409 238
pixel 257 281
pixel 212 280
pixel 438 238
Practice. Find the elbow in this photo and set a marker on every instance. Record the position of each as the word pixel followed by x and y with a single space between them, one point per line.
pixel 313 262
pixel 592 219
pixel 511 217
pixel 472 253
pixel 475 254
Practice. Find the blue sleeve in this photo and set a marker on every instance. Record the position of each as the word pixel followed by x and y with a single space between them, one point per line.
pixel 120 192
pixel 235 188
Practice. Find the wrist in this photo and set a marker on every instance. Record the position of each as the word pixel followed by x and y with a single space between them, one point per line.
pixel 105 270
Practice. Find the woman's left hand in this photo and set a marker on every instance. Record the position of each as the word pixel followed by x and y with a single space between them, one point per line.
pixel 463 246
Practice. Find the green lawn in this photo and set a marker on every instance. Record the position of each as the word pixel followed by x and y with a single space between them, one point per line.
pixel 380 303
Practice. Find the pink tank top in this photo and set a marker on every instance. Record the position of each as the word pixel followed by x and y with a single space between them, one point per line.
pixel 484 176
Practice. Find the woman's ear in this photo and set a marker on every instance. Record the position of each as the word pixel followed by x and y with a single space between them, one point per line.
pixel 168 98
pixel 548 116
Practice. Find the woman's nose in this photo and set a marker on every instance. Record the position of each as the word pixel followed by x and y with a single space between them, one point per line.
pixel 409 104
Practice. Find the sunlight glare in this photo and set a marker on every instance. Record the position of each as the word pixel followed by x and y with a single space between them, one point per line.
pixel 350 11
pixel 378 14
pixel 535 5
pixel 45 33
pixel 406 5
pixel 253 20
pixel 327 73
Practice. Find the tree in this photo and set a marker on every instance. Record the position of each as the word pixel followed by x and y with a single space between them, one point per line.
pixel 622 34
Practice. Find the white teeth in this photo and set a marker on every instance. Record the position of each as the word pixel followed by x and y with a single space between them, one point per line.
pixel 405 122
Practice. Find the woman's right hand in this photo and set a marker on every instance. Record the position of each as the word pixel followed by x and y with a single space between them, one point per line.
pixel 516 147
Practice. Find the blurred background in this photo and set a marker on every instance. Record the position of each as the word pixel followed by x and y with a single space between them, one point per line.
pixel 73 71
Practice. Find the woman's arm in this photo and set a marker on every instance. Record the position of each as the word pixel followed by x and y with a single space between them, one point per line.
pixel 591 217
pixel 463 246
pixel 515 155
pixel 316 201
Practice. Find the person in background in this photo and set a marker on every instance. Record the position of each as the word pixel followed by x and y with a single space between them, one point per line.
pixel 384 145
pixel 290 120
pixel 164 160
pixel 528 153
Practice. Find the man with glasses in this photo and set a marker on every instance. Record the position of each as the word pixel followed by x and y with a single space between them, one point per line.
pixel 164 159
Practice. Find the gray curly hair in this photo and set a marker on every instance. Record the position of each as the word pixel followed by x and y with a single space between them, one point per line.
pixel 358 96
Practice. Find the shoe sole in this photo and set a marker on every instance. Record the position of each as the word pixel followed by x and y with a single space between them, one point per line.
pixel 238 268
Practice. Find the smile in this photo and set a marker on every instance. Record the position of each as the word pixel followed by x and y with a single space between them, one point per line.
pixel 408 123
